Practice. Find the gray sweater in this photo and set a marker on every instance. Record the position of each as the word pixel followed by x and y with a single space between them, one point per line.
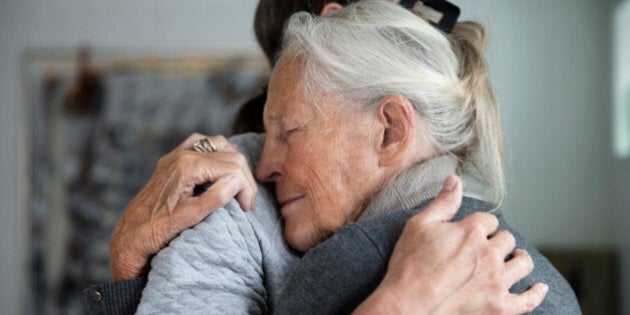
pixel 337 275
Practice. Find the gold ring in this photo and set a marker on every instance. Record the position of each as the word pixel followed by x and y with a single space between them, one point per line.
pixel 204 145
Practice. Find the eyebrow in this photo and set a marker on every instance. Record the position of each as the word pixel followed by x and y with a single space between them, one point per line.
pixel 272 119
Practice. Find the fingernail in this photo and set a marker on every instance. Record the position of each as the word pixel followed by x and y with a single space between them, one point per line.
pixel 450 184
pixel 545 288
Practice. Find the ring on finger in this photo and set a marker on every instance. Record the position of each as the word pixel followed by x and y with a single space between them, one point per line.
pixel 204 145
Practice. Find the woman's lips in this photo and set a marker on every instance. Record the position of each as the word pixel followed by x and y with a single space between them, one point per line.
pixel 286 204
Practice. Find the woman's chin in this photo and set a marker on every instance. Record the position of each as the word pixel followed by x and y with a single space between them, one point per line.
pixel 302 239
pixel 297 241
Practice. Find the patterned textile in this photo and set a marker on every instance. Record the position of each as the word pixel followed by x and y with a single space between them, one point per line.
pixel 92 154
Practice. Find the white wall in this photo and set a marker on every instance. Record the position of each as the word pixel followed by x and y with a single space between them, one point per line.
pixel 549 63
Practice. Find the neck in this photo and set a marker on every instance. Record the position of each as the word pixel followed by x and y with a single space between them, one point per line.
pixel 411 187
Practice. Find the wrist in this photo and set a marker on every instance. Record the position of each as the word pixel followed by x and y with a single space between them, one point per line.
pixel 128 267
pixel 386 300
pixel 125 262
pixel 378 303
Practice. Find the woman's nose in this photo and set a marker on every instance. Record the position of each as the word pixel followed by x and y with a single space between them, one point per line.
pixel 270 166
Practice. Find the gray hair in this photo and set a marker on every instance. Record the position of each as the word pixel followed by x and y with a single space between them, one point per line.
pixel 372 49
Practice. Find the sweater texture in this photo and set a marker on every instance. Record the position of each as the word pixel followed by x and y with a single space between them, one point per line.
pixel 233 262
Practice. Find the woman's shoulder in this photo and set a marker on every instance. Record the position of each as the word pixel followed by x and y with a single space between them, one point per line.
pixel 385 230
pixel 250 144
pixel 393 222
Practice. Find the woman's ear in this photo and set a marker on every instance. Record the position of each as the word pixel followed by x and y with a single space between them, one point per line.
pixel 397 117
pixel 329 8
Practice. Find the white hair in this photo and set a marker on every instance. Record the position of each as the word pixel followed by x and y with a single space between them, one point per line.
pixel 372 49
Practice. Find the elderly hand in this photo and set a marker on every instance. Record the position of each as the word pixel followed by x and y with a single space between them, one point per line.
pixel 168 205
pixel 442 267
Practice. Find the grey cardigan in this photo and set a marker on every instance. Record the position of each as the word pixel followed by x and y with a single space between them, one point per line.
pixel 336 276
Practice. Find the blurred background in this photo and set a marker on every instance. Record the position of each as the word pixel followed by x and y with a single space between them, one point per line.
pixel 91 92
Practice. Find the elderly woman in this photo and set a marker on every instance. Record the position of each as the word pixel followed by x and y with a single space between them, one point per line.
pixel 369 110
pixel 167 205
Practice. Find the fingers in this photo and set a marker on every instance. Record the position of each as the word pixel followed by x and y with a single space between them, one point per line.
pixel 527 301
pixel 241 161
pixel 480 222
pixel 446 204
pixel 222 144
pixel 519 266
pixel 221 164
pixel 215 169
pixel 192 210
pixel 188 143
pixel 503 241
pixel 209 167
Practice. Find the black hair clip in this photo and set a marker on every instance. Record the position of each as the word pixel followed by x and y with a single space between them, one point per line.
pixel 450 12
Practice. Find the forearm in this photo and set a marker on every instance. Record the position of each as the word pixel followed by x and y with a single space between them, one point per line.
pixel 375 304
pixel 126 260
pixel 389 299
pixel 381 302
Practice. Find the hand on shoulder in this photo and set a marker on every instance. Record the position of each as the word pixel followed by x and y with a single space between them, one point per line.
pixel 443 267
pixel 167 204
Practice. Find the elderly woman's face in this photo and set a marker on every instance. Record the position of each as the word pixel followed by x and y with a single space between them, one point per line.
pixel 320 157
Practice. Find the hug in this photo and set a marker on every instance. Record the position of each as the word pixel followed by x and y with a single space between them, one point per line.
pixel 353 196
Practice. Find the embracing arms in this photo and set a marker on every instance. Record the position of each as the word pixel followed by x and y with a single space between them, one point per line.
pixel 167 205
pixel 425 263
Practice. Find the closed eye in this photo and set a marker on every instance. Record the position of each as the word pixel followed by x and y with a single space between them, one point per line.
pixel 288 133
pixel 291 131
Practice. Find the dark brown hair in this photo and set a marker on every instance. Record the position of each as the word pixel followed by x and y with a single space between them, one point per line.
pixel 272 15
pixel 249 116
pixel 269 22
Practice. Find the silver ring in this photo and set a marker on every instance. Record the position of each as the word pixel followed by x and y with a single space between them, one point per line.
pixel 204 145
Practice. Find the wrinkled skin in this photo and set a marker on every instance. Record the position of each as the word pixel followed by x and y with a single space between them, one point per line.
pixel 166 205
pixel 319 156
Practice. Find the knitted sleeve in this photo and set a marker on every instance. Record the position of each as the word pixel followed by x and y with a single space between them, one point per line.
pixel 118 298
pixel 216 267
